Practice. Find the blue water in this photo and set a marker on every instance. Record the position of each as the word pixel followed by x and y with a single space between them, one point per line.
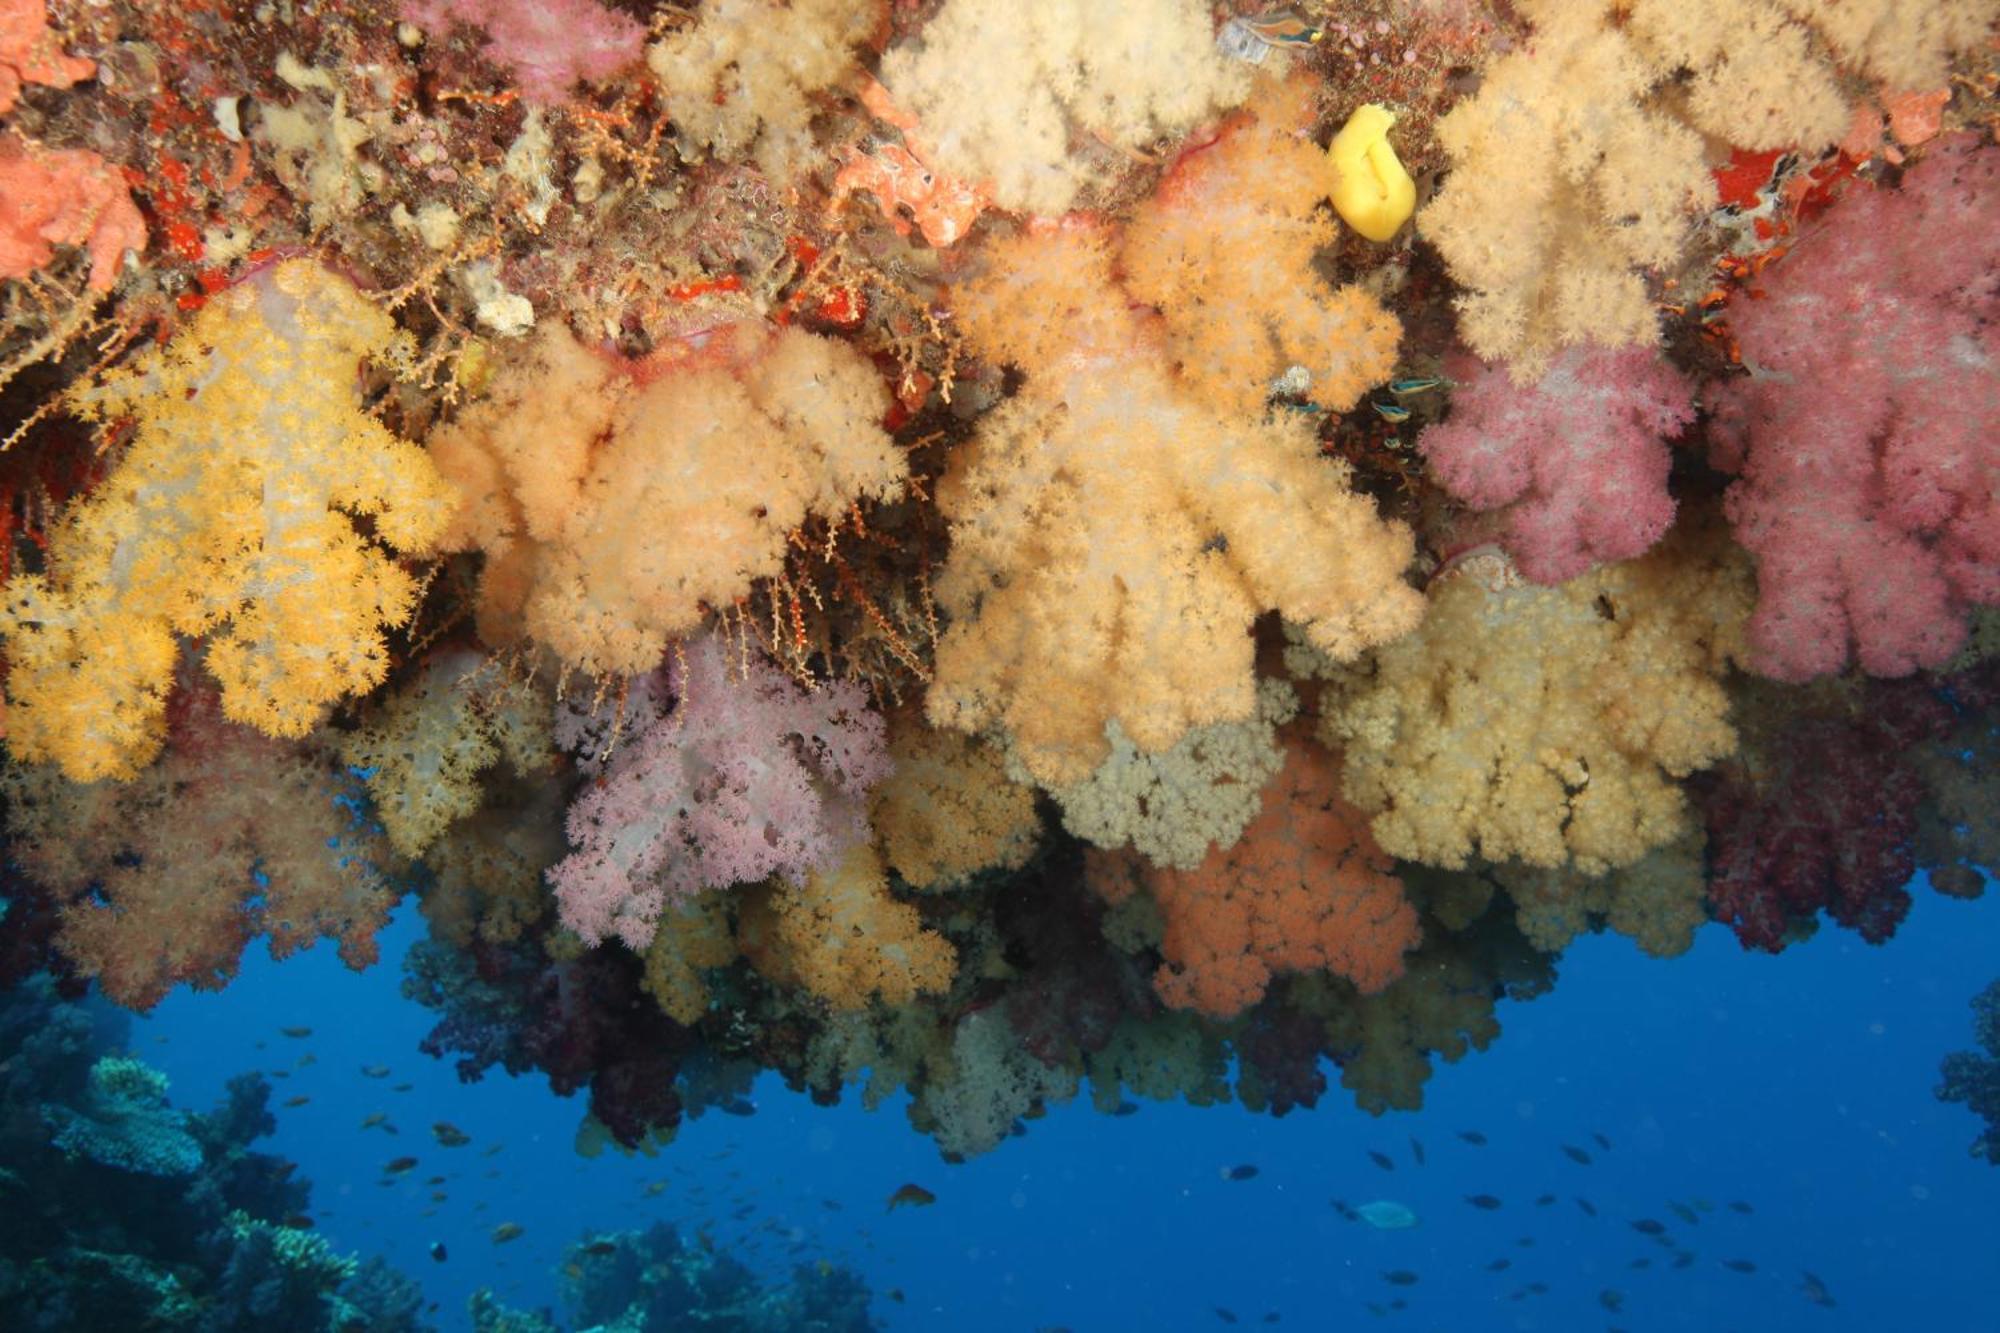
pixel 1800 1085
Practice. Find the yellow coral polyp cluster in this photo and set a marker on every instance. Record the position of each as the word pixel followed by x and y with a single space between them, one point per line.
pixel 230 516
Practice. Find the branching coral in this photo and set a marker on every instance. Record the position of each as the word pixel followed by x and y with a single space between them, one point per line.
pixel 617 508
pixel 1547 725
pixel 1002 87
pixel 1115 536
pixel 1864 435
pixel 750 776
pixel 231 515
pixel 1304 889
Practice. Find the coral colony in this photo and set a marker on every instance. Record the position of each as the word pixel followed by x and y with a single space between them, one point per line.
pixel 979 547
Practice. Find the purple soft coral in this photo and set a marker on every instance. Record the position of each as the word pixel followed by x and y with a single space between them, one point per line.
pixel 548 44
pixel 1870 488
pixel 749 776
pixel 1577 459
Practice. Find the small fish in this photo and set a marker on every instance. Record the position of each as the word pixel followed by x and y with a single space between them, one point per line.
pixel 1576 1154
pixel 1393 413
pixel 914 1195
pixel 1738 1206
pixel 1499 1265
pixel 1647 1226
pixel 1815 1290
pixel 1685 1214
pixel 507 1231
pixel 1544 1200
pixel 1243 1172
pixel 1538 1288
pixel 600 1248
pixel 403 1087
pixel 300 1033
pixel 1486 1201
pixel 1414 385
pixel 1611 1299
pixel 739 1106
pixel 1524 1242
pixel 1417 1149
pixel 1602 1142
pixel 1226 1316
pixel 1381 1159
pixel 1683 1258
pixel 1271 1317
pixel 279 1073
pixel 1018 1130
pixel 374 1071
pixel 437 1196
pixel 1739 1265
pixel 831 1205
pixel 1473 1137
pixel 896 1295
pixel 298 1221
pixel 744 1212
pixel 306 1061
pixel 374 1118
pixel 1125 1107
pixel 449 1135
pixel 491 1149
pixel 435 1180
pixel 656 1189
pixel 1283 29
pixel 1400 1277
pixel 438 1251
pixel 299 1100
pixel 1383 1215
pixel 1642 1262
pixel 399 1166
pixel 1589 1208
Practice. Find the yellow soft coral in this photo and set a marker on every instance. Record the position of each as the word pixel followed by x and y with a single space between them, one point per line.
pixel 949 811
pixel 1547 725
pixel 229 516
pixel 844 937
pixel 1114 535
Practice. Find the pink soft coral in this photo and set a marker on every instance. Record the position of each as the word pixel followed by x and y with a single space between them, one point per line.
pixel 30 53
pixel 749 776
pixel 1576 459
pixel 1865 435
pixel 548 44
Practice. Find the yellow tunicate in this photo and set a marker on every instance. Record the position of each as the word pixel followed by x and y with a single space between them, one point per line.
pixel 1371 191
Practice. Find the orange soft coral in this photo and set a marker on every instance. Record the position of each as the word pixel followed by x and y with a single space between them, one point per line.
pixel 1304 889
pixel 1115 533
pixel 844 937
pixel 1225 250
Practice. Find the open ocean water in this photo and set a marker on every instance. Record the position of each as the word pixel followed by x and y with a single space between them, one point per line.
pixel 1785 1102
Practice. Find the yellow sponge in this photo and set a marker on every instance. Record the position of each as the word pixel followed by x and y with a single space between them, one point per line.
pixel 1371 191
